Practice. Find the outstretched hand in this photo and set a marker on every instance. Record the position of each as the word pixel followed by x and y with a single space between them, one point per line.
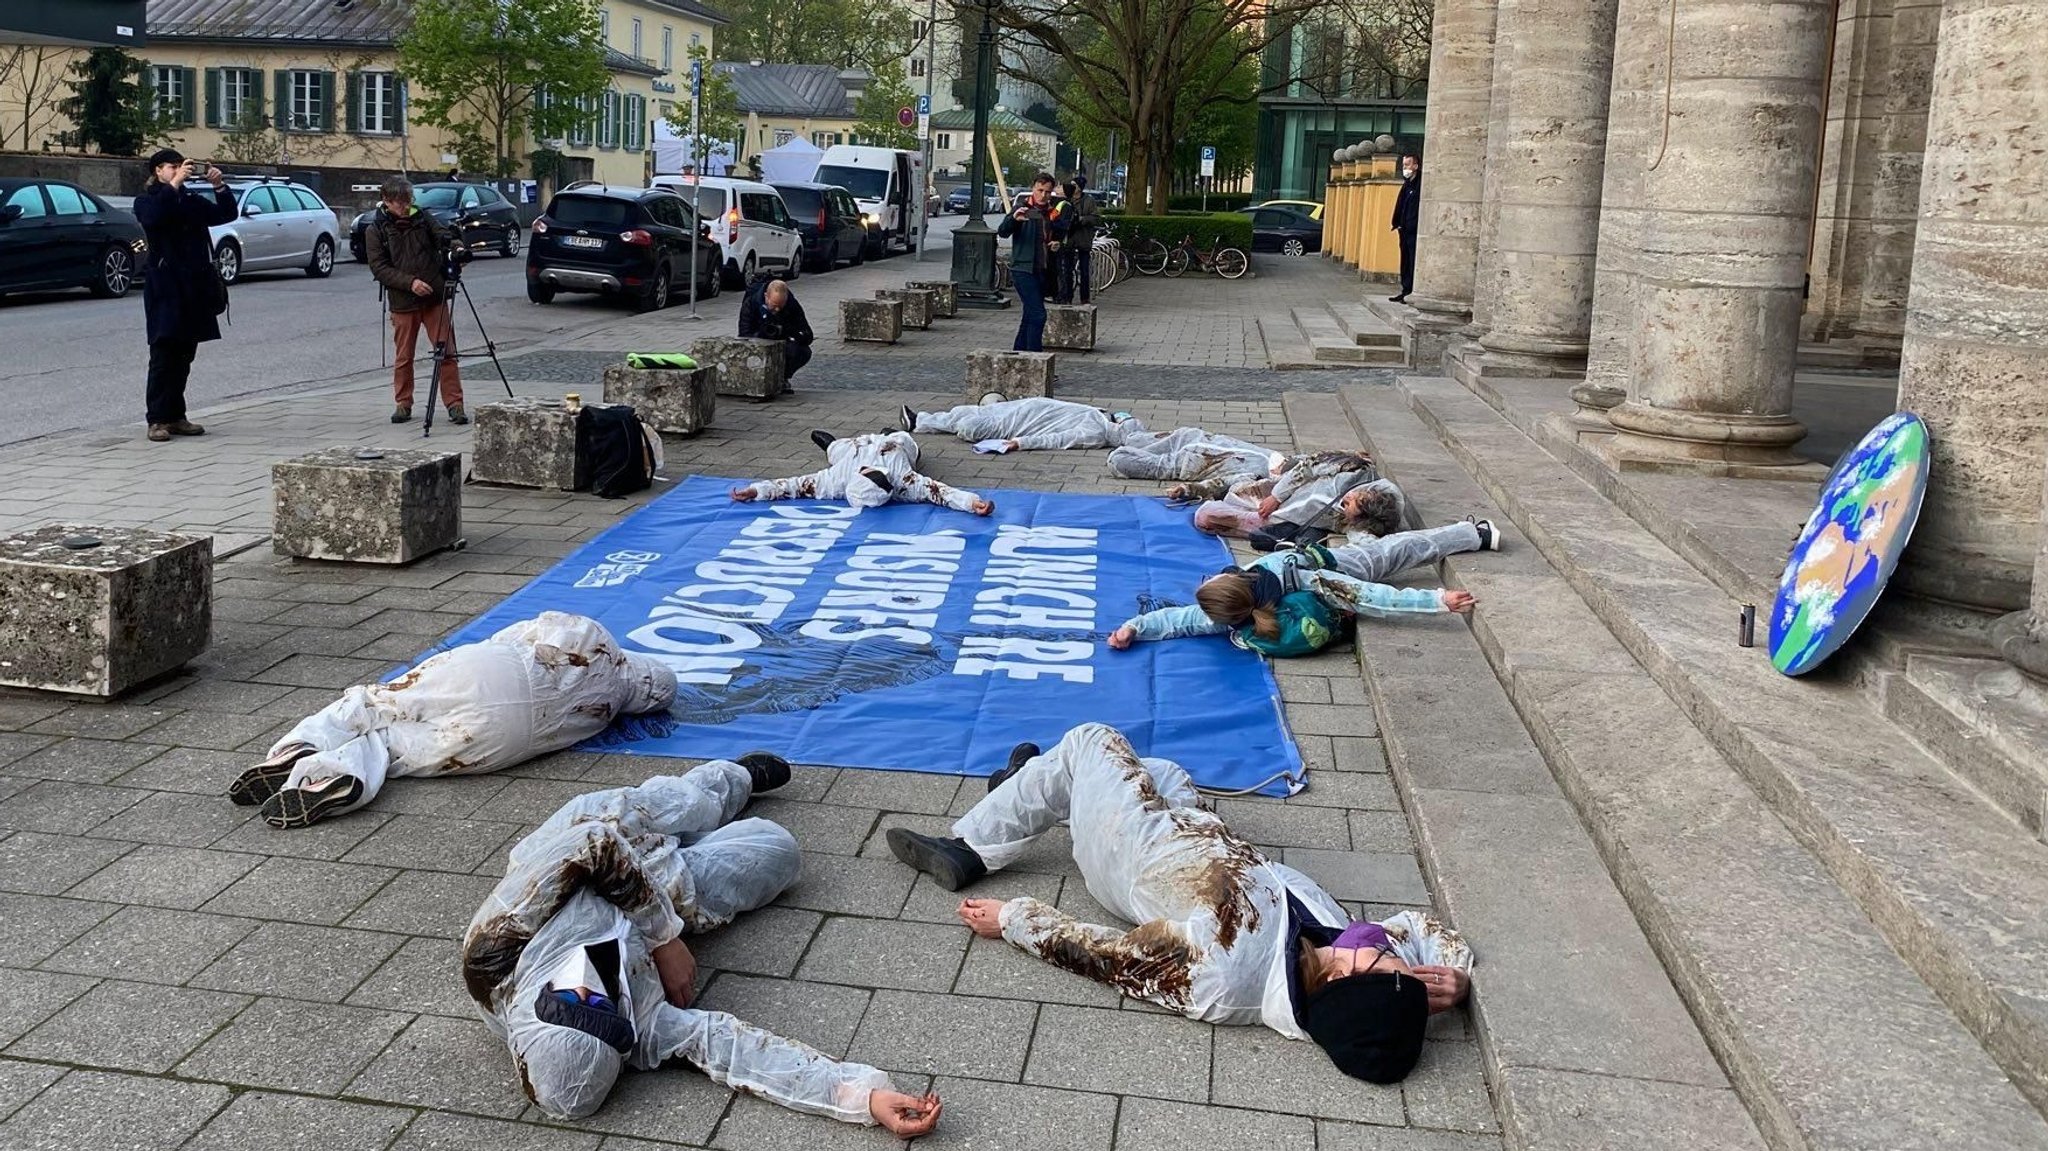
pixel 743 495
pixel 983 507
pixel 1447 986
pixel 1121 638
pixel 904 1116
pixel 983 916
pixel 1458 601
pixel 1268 506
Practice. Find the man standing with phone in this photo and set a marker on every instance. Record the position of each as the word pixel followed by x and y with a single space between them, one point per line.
pixel 1408 218
pixel 182 295
pixel 1035 229
pixel 408 252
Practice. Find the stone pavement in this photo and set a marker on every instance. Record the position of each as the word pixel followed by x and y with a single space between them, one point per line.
pixel 181 975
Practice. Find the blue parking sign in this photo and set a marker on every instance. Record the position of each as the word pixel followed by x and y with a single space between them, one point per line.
pixel 924 105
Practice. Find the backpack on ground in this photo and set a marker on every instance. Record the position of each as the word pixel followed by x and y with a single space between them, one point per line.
pixel 1307 625
pixel 614 442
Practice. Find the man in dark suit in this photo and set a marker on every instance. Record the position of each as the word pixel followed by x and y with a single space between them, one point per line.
pixel 1407 217
pixel 772 313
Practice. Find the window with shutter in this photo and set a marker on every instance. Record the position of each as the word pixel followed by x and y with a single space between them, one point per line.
pixel 327 122
pixel 213 108
pixel 352 102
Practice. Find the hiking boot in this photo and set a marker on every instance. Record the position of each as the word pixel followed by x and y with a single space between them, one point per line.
pixel 266 779
pixel 306 806
pixel 767 769
pixel 401 413
pixel 822 438
pixel 1489 536
pixel 909 415
pixel 184 428
pixel 160 433
pixel 950 862
pixel 456 415
pixel 1019 755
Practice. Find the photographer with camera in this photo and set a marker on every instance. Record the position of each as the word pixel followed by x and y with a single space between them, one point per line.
pixel 418 260
pixel 182 294
pixel 1035 229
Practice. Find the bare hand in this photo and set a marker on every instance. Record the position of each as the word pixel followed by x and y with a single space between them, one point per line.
pixel 422 288
pixel 983 508
pixel 743 495
pixel 1447 986
pixel 904 1116
pixel 1021 213
pixel 678 969
pixel 1121 638
pixel 1268 506
pixel 983 916
pixel 1458 601
pixel 1010 445
pixel 214 177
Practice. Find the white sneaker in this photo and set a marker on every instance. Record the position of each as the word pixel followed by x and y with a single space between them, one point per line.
pixel 1489 536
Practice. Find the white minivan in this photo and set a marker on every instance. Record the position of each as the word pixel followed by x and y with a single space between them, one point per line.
pixel 888 183
pixel 749 222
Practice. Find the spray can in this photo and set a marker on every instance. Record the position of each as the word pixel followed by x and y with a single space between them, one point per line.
pixel 573 401
pixel 1746 634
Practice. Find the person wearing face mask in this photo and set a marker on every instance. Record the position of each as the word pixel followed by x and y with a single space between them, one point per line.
pixel 577 961
pixel 867 472
pixel 1407 218
pixel 1224 934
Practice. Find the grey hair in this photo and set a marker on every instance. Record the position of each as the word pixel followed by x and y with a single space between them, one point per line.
pixel 396 188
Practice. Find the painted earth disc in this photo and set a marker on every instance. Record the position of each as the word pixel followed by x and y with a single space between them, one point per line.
pixel 1851 544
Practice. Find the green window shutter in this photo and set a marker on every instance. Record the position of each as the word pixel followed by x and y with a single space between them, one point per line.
pixel 282 115
pixel 352 102
pixel 213 98
pixel 327 101
pixel 188 106
pixel 398 124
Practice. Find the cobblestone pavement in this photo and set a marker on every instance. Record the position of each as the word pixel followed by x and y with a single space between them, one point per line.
pixel 182 976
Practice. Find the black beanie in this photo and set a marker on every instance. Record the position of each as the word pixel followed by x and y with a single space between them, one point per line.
pixel 164 156
pixel 1370 1026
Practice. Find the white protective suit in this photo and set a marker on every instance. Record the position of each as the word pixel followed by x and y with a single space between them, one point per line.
pixel 613 875
pixel 1213 939
pixel 1190 454
pixel 537 686
pixel 1376 559
pixel 1039 423
pixel 894 454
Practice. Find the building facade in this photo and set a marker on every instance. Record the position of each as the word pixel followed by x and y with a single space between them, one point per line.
pixel 953 140
pixel 1350 74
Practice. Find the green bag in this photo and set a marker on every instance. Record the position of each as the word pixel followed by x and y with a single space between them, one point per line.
pixel 674 360
pixel 1307 625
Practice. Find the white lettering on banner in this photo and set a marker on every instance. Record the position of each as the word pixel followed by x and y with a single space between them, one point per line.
pixel 617 569
pixel 701 630
pixel 919 572
pixel 982 655
pixel 1035 580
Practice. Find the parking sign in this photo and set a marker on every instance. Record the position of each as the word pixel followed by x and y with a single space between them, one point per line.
pixel 1208 161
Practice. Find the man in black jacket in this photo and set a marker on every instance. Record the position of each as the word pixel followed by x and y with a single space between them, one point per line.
pixel 770 312
pixel 408 250
pixel 1408 217
pixel 1035 228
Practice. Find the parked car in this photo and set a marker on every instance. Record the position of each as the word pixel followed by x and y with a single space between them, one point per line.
pixel 478 213
pixel 749 222
pixel 281 225
pixel 55 235
pixel 829 222
pixel 1284 230
pixel 956 200
pixel 631 244
pixel 1313 209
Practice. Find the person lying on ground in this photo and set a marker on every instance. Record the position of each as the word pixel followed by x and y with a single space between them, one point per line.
pixel 1036 424
pixel 576 959
pixel 533 687
pixel 1224 934
pixel 1190 454
pixel 866 471
pixel 1291 602
pixel 1302 504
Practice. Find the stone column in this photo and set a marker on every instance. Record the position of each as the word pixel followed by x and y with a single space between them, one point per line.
pixel 1722 251
pixel 1455 124
pixel 1977 317
pixel 1547 198
pixel 1895 192
pixel 2022 637
pixel 1852 138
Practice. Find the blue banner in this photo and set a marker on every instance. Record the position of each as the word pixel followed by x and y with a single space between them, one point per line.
pixel 915 637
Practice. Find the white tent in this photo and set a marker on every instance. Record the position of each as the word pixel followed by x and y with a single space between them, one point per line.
pixel 672 152
pixel 792 163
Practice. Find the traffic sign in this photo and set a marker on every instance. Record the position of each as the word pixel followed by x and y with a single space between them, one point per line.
pixel 696 81
pixel 924 105
pixel 1208 161
pixel 906 116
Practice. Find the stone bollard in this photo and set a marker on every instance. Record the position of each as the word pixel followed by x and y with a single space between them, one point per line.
pixel 917 304
pixel 528 444
pixel 668 400
pixel 748 368
pixel 871 321
pixel 1011 375
pixel 1070 326
pixel 948 293
pixel 115 608
pixel 366 506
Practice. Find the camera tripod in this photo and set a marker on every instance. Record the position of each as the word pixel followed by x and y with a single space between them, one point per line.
pixel 442 356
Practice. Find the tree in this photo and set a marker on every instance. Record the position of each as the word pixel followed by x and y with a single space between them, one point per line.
pixel 492 73
pixel 31 76
pixel 1021 156
pixel 721 120
pixel 250 140
pixel 865 34
pixel 874 114
pixel 112 105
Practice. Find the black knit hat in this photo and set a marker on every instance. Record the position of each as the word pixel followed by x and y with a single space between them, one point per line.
pixel 1370 1026
pixel 164 156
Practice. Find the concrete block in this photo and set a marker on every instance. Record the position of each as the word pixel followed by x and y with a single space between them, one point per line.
pixel 1250 1060
pixel 37 996
pixel 1012 375
pixel 176 877
pixel 871 321
pixel 947 295
pixel 391 509
pixel 919 305
pixel 842 886
pixel 748 368
pixel 527 444
pixel 668 400
pixel 100 619
pixel 153 945
pixel 766 941
pixel 1070 326
pixel 300 961
pixel 417 976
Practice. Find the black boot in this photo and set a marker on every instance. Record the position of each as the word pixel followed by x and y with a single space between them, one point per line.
pixel 1019 756
pixel 822 438
pixel 768 770
pixel 950 862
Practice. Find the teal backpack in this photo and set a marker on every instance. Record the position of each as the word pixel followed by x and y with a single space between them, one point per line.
pixel 1307 625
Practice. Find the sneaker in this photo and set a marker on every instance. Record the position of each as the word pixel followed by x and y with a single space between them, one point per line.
pixel 456 415
pixel 184 428
pixel 822 438
pixel 909 415
pixel 950 862
pixel 1019 755
pixel 1400 298
pixel 768 770
pixel 401 413
pixel 1489 536
pixel 160 433
pixel 266 779
pixel 306 806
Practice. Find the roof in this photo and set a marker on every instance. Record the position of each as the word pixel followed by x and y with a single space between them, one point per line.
pixel 350 22
pixel 789 89
pixel 704 12
pixel 962 120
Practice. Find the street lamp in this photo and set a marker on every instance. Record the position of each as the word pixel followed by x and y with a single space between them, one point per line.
pixel 974 242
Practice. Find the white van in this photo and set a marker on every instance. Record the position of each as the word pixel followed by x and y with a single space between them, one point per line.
pixel 749 222
pixel 888 183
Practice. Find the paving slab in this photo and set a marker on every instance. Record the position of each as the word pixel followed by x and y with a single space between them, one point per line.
pixel 1129 1053
pixel 260 1121
pixel 100 1109
pixel 154 876
pixel 931 1034
pixel 21 1082
pixel 885 953
pixel 300 961
pixel 1155 1125
pixel 445 1064
pixel 823 1015
pixel 985 1116
pixel 132 1026
pixel 440 1131
pixel 33 863
pixel 1252 1064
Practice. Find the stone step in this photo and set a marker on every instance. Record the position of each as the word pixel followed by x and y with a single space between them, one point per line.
pixel 1286 349
pixel 1984 720
pixel 1953 886
pixel 1325 338
pixel 1365 328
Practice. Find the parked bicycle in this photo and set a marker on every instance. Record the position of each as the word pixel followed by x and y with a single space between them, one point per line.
pixel 1149 256
pixel 1229 263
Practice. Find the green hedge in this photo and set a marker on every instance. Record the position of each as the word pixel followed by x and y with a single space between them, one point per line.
pixel 1218 201
pixel 1235 229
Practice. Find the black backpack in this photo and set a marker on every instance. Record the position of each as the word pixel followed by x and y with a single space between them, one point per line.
pixel 610 438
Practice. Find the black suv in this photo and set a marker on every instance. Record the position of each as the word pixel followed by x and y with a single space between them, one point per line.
pixel 627 243
pixel 829 222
